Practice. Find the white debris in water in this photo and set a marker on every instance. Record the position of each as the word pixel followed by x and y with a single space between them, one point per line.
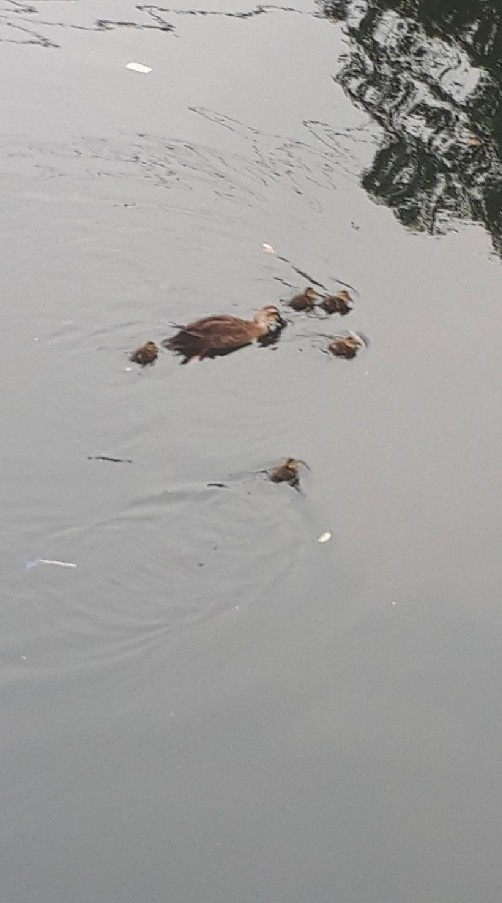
pixel 138 67
pixel 325 537
pixel 34 562
pixel 268 248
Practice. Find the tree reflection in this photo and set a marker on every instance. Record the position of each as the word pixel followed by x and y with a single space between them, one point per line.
pixel 430 74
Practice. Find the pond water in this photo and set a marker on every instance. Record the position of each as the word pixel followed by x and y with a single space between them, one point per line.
pixel 212 705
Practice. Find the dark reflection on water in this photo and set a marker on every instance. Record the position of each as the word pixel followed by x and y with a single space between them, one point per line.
pixel 430 74
pixel 21 23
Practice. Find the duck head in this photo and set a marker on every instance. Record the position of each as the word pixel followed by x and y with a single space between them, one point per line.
pixel 269 318
pixel 359 339
pixel 292 464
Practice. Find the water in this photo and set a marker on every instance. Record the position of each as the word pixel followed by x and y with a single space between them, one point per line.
pixel 212 705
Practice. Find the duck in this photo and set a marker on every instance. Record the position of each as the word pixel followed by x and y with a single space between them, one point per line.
pixel 348 346
pixel 222 333
pixel 341 303
pixel 145 355
pixel 305 300
pixel 287 472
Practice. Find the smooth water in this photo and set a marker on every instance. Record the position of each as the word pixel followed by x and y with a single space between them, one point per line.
pixel 212 706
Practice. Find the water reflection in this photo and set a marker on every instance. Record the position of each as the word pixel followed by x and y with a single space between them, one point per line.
pixel 430 74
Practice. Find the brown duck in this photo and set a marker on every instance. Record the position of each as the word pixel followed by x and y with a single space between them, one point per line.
pixel 305 300
pixel 220 334
pixel 147 354
pixel 287 472
pixel 340 303
pixel 348 346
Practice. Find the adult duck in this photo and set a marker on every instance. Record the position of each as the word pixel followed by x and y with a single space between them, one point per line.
pixel 221 334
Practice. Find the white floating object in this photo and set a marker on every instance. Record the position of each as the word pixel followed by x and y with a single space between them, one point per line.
pixel 138 67
pixel 325 537
pixel 268 248
pixel 60 564
pixel 34 562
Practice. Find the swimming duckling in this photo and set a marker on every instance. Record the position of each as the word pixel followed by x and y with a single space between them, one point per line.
pixel 287 472
pixel 305 300
pixel 220 334
pixel 147 354
pixel 349 345
pixel 341 303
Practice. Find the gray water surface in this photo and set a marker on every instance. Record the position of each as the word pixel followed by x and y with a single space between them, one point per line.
pixel 212 707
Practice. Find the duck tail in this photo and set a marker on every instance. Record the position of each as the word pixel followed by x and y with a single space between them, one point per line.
pixel 178 343
pixel 184 344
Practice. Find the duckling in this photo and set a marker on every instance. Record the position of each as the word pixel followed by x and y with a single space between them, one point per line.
pixel 287 472
pixel 147 354
pixel 305 300
pixel 348 346
pixel 221 334
pixel 341 303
